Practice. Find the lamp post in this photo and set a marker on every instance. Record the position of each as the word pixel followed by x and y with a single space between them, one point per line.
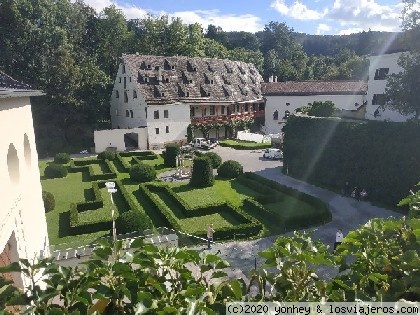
pixel 111 190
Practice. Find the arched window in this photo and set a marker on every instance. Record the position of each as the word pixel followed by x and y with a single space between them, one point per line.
pixel 125 97
pixel 127 113
pixel 131 114
pixel 13 164
pixel 286 114
pixel 27 150
pixel 276 115
pixel 134 94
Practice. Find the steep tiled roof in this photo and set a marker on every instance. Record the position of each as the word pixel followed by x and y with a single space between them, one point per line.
pixel 301 88
pixel 205 79
pixel 10 87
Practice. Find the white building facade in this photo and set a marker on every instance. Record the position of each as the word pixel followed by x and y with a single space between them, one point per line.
pixel 380 66
pixel 283 98
pixel 23 228
pixel 167 94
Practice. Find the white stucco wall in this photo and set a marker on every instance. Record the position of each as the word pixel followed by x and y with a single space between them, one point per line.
pixel 378 86
pixel 177 122
pixel 278 103
pixel 115 138
pixel 119 107
pixel 21 208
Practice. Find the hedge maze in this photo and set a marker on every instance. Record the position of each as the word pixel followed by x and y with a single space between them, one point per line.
pixel 261 213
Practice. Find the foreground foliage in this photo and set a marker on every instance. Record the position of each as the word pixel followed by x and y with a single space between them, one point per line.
pixel 384 267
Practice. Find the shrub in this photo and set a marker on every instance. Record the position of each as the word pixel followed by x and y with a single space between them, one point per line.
pixel 214 158
pixel 62 158
pixel 55 171
pixel 49 200
pixel 106 155
pixel 171 152
pixel 202 173
pixel 230 169
pixel 131 221
pixel 321 109
pixel 142 173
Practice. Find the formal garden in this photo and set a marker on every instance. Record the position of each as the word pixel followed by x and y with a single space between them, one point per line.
pixel 240 205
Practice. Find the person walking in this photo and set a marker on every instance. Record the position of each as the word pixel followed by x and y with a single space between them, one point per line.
pixel 338 238
pixel 210 233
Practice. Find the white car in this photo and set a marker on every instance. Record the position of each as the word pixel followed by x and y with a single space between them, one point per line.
pixel 274 154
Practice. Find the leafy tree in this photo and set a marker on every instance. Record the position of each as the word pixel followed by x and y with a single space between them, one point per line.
pixel 249 56
pixel 214 49
pixel 402 89
pixel 321 109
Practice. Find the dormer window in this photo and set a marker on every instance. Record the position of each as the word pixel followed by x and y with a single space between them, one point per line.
pixel 167 80
pixel 146 79
pixel 208 93
pixel 187 94
pixel 123 69
pixel 149 66
pixel 172 67
pixel 190 81
pixel 134 94
pixel 162 94
pixel 211 81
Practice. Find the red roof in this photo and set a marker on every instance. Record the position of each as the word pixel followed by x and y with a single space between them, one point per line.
pixel 302 88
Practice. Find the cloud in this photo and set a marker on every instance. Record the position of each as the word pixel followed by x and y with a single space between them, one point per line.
pixel 228 22
pixel 297 10
pixel 322 29
pixel 347 15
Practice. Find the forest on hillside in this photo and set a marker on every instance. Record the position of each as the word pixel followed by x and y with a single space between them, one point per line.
pixel 71 52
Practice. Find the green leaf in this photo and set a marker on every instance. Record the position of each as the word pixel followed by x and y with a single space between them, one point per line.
pixel 13 267
pixel 103 253
pixel 235 286
pixel 219 274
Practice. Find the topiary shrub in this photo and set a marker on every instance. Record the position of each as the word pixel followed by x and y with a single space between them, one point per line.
pixel 49 200
pixel 131 221
pixel 55 171
pixel 106 155
pixel 62 158
pixel 230 169
pixel 214 158
pixel 171 152
pixel 202 173
pixel 142 173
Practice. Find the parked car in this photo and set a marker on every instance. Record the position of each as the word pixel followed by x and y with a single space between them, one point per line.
pixel 274 154
pixel 213 142
pixel 200 143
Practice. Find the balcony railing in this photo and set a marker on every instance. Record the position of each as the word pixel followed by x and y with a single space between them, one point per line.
pixel 225 118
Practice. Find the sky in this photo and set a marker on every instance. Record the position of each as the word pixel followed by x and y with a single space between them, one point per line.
pixel 322 17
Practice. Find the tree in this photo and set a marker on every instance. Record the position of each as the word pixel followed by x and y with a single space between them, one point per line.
pixel 321 109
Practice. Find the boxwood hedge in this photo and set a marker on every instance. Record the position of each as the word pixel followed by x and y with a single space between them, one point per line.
pixel 381 157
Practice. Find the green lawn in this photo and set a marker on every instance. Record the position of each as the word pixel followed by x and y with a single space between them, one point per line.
pixel 244 145
pixel 77 187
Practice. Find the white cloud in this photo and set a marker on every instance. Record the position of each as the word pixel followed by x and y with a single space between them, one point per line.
pixel 348 15
pixel 322 29
pixel 297 10
pixel 349 31
pixel 228 22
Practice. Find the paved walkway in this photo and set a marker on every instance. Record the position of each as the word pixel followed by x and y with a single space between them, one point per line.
pixel 347 213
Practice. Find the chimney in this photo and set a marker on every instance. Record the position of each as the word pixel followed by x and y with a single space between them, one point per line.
pixel 275 79
pixel 159 76
pixel 270 78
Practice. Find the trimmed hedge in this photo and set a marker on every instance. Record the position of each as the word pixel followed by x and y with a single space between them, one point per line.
pixel 106 155
pixel 142 173
pixel 230 169
pixel 202 173
pixel 214 158
pixel 61 158
pixel 131 221
pixel 49 200
pixel 299 220
pixel 381 157
pixel 242 145
pixel 55 171
pixel 145 154
pixel 171 152
pixel 248 228
pixel 97 203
